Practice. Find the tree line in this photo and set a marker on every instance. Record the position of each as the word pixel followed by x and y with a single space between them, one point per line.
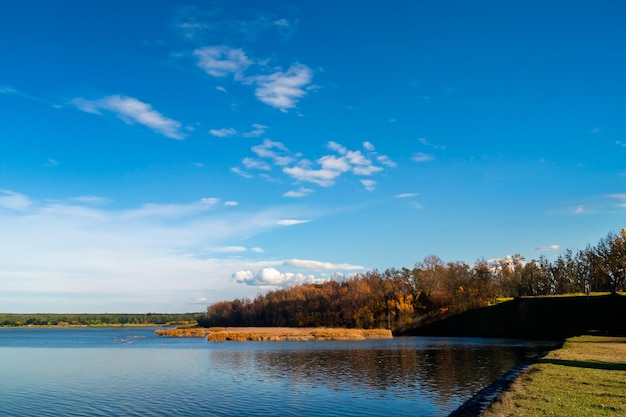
pixel 106 319
pixel 401 298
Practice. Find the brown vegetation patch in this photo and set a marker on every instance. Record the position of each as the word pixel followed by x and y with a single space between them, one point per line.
pixel 278 334
pixel 191 332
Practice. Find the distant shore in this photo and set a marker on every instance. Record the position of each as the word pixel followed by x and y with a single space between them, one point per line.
pixel 276 334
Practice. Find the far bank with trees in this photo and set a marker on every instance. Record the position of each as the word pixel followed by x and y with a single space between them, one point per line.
pixel 401 299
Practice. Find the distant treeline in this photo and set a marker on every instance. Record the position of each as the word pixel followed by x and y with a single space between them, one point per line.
pixel 106 319
pixel 401 298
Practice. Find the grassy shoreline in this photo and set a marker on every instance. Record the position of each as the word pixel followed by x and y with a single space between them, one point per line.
pixel 586 377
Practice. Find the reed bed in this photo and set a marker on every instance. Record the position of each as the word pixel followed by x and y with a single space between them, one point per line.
pixel 190 332
pixel 279 334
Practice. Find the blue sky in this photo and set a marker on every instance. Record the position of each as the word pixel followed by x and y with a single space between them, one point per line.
pixel 160 156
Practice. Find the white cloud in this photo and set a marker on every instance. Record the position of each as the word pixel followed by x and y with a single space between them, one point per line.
pixel 8 90
pixel 60 254
pixel 290 222
pixel 209 201
pixel 369 185
pixel 51 163
pixel 276 151
pixel 406 195
pixel 257 130
pixel 366 170
pixel 550 248
pixel 342 150
pixel 301 192
pixel 91 199
pixel 14 201
pixel 282 90
pixel 241 173
pixel 271 277
pixel 282 22
pixel 252 163
pixel 416 205
pixel 621 199
pixel 321 177
pixel 333 163
pixel 424 142
pixel 223 133
pixel 131 110
pixel 368 146
pixel 230 203
pixel 386 161
pixel 422 157
pixel 220 61
pixel 230 249
pixel 310 264
pixel 325 170
pixel 256 249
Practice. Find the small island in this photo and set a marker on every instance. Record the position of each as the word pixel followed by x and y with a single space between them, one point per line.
pixel 276 334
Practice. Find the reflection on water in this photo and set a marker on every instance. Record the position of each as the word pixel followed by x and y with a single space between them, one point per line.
pixel 444 371
pixel 131 372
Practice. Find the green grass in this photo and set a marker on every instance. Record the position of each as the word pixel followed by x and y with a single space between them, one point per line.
pixel 586 377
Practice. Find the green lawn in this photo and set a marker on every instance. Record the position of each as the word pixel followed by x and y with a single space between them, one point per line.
pixel 586 377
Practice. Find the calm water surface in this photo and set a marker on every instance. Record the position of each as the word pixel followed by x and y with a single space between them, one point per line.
pixel 132 372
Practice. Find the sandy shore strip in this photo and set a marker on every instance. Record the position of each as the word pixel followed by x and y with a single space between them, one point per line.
pixel 277 334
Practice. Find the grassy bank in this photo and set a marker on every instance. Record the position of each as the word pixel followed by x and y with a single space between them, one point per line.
pixel 586 377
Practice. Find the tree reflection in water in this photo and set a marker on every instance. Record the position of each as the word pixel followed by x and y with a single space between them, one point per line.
pixel 446 371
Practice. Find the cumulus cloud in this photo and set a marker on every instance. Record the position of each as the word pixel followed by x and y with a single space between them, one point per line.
pixel 550 248
pixel 324 171
pixel 131 111
pixel 220 61
pixel 406 195
pixel 230 203
pixel 321 177
pixel 282 90
pixel 279 89
pixel 223 133
pixel 310 264
pixel 271 277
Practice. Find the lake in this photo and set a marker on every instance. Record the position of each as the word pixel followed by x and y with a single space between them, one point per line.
pixel 132 372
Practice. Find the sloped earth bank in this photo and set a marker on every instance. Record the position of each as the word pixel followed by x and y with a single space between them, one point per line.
pixel 476 405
